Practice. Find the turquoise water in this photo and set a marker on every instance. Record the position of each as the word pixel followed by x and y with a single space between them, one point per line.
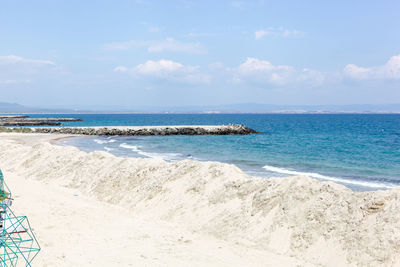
pixel 360 151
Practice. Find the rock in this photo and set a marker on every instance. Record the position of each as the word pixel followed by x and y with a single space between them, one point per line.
pixel 24 121
pixel 135 131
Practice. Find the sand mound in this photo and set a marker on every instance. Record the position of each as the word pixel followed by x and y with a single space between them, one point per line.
pixel 321 222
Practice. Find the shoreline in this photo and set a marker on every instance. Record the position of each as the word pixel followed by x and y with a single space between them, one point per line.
pixel 290 220
pixel 270 171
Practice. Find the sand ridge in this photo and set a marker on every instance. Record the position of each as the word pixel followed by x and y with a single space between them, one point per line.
pixel 313 222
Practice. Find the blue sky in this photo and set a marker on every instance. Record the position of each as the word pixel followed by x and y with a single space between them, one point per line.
pixel 173 53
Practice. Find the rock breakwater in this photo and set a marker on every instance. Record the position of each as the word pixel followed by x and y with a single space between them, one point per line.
pixel 24 121
pixel 150 130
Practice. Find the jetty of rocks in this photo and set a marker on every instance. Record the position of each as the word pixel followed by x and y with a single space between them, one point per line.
pixel 150 130
pixel 25 121
pixel 13 116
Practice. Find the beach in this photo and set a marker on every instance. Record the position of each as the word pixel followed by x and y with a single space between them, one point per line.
pixel 96 209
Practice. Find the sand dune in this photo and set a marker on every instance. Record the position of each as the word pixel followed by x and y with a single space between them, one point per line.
pixel 288 221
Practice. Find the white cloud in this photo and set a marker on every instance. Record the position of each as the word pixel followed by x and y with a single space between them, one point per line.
pixel 356 72
pixel 389 71
pixel 216 66
pixel 252 65
pixel 160 67
pixel 20 70
pixel 251 71
pixel 121 69
pixel 277 32
pixel 154 29
pixel 195 34
pixel 237 4
pixel 264 72
pixel 260 34
pixel 167 45
pixel 259 73
pixel 11 59
pixel 167 70
pixel 8 82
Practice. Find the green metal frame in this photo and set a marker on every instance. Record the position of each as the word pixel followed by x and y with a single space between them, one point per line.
pixel 16 238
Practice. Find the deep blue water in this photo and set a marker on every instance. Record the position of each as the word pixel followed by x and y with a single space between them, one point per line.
pixel 359 151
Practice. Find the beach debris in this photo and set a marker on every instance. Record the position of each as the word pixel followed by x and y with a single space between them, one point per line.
pixel 17 241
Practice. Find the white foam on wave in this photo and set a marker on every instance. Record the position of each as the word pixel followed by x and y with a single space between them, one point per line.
pixel 133 148
pixel 164 156
pixel 329 178
pixel 108 149
pixel 99 141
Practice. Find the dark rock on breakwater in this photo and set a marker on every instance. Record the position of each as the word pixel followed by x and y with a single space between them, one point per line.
pixel 29 123
pixel 13 116
pixel 24 121
pixel 150 130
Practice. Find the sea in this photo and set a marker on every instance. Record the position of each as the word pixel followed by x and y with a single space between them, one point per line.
pixel 360 151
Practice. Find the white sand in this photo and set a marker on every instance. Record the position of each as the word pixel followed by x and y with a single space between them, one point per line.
pixel 146 212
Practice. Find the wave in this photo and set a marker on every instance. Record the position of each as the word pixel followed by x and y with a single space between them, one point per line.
pixel 108 149
pixel 164 156
pixel 100 142
pixel 133 148
pixel 218 200
pixel 329 178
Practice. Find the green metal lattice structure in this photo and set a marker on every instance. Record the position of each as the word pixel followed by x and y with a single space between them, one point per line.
pixel 18 245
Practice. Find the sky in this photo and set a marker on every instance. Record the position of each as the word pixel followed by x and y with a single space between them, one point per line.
pixel 176 53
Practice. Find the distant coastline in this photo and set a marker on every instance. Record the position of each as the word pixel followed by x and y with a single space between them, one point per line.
pixel 244 108
pixel 206 112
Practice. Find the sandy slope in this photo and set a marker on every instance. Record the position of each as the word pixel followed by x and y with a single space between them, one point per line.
pixel 149 212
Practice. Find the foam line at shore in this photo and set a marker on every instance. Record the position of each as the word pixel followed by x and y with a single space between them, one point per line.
pixel 133 148
pixel 100 142
pixel 329 178
pixel 177 156
pixel 164 156
pixel 296 216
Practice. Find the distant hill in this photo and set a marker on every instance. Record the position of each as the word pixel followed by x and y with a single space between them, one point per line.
pixel 269 108
pixel 14 108
pixel 254 108
pixel 233 108
pixel 242 108
pixel 17 108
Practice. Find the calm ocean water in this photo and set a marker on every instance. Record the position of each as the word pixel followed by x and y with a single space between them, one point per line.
pixel 361 152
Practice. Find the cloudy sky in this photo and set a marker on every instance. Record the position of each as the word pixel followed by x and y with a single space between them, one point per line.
pixel 173 53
